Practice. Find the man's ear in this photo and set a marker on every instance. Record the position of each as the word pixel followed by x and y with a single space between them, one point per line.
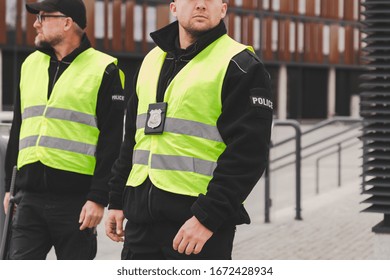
pixel 223 10
pixel 172 7
pixel 68 24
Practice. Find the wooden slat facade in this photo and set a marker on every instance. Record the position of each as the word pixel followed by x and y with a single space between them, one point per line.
pixel 119 34
pixel 90 30
pixel 3 38
pixel 129 27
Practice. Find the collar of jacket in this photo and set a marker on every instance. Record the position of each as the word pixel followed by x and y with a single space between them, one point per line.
pixel 84 45
pixel 166 38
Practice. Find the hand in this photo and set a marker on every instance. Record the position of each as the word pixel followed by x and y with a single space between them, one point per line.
pixel 6 201
pixel 91 215
pixel 7 197
pixel 191 237
pixel 114 225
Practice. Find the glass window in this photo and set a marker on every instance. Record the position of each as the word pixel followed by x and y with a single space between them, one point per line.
pixel 302 7
pixel 292 37
pixel 256 35
pixel 137 23
pixel 276 5
pixel 99 20
pixel 237 28
pixel 341 8
pixel 341 39
pixel 266 4
pixel 274 36
pixel 300 37
pixel 325 39
pixel 151 22
pixel 317 7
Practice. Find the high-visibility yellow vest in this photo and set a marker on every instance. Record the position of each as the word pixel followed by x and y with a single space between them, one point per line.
pixel 183 158
pixel 61 132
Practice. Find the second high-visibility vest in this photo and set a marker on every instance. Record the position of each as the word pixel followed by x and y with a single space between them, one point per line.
pixel 61 132
pixel 183 158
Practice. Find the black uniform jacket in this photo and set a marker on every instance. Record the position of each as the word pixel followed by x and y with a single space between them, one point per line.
pixel 245 127
pixel 37 177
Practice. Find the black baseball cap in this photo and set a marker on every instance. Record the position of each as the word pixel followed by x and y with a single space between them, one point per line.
pixel 71 8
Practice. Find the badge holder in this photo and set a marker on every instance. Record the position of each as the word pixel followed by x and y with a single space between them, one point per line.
pixel 156 118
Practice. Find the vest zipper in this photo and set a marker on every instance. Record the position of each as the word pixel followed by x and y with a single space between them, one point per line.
pixel 55 75
pixel 172 75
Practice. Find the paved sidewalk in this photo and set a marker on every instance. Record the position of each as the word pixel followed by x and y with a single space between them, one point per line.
pixel 333 228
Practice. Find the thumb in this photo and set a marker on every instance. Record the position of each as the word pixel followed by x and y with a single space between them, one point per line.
pixel 82 215
pixel 119 226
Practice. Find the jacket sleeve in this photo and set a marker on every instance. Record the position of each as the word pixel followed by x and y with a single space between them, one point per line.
pixel 11 156
pixel 109 111
pixel 245 126
pixel 122 166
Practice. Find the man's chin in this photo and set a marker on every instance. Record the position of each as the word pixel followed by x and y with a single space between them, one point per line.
pixel 41 44
pixel 199 30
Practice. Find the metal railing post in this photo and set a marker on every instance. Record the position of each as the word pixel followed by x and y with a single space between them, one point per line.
pixel 298 208
pixel 338 151
pixel 356 122
pixel 267 195
pixel 298 135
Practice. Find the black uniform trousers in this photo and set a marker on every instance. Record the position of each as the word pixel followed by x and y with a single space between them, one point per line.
pixel 153 241
pixel 44 220
pixel 154 217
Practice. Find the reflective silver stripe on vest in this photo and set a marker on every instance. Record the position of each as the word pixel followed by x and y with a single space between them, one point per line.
pixel 67 145
pixel 33 111
pixel 181 163
pixel 141 157
pixel 29 141
pixel 141 121
pixel 185 127
pixel 69 115
pixel 62 114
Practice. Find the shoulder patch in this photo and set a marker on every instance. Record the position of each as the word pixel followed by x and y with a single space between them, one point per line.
pixel 258 101
pixel 260 98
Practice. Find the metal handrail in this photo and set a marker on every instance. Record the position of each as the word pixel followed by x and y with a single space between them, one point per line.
pixel 338 151
pixel 298 155
pixel 315 128
pixel 313 153
pixel 294 124
pixel 318 142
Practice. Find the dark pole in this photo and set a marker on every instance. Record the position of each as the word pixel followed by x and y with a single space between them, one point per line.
pixel 298 172
pixel 298 157
pixel 267 195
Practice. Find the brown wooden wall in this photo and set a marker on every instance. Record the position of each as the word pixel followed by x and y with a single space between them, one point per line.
pixel 2 23
pixel 287 17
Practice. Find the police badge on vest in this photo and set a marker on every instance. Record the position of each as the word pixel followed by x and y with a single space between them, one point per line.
pixel 155 120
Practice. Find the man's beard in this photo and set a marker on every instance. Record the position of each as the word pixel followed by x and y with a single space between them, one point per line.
pixel 43 44
pixel 195 33
pixel 46 44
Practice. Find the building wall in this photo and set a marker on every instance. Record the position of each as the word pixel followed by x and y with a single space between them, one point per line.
pixel 304 37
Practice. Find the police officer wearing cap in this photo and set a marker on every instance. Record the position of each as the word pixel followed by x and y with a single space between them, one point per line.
pixel 65 134
pixel 196 140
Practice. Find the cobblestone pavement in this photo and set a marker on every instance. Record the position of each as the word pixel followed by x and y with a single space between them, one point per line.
pixel 332 228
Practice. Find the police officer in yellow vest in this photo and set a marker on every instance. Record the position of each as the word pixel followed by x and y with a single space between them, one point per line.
pixel 68 124
pixel 196 140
